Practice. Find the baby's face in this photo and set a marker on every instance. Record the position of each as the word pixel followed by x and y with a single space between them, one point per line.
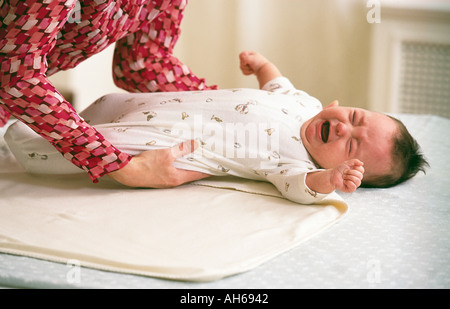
pixel 338 134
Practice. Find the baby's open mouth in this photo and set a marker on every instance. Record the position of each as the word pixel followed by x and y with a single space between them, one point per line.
pixel 325 131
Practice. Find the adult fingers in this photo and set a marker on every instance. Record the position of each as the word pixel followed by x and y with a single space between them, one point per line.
pixel 183 149
pixel 184 176
pixel 180 176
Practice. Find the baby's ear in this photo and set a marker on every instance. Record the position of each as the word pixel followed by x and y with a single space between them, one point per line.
pixel 332 104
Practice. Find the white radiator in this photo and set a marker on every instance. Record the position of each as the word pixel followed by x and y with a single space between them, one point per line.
pixel 410 70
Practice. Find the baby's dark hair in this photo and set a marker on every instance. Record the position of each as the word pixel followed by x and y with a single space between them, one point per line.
pixel 407 160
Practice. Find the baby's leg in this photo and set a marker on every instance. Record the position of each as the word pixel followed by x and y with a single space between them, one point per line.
pixel 35 153
pixel 108 107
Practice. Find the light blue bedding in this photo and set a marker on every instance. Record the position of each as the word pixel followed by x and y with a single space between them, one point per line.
pixel 391 238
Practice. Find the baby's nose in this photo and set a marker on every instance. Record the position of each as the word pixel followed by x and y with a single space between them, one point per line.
pixel 341 129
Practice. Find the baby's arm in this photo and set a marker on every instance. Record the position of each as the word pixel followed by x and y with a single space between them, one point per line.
pixel 255 63
pixel 345 177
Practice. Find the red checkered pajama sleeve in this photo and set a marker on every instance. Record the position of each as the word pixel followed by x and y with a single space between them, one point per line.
pixel 28 31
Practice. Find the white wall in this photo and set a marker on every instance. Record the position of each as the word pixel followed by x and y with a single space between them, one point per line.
pixel 321 45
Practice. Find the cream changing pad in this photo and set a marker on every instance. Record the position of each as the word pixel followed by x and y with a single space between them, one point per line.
pixel 197 232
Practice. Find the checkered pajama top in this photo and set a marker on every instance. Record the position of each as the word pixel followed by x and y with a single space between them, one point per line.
pixel 40 37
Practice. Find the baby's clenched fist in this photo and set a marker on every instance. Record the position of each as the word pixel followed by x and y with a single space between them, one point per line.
pixel 347 177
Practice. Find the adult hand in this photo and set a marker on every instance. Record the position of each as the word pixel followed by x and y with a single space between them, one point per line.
pixel 154 169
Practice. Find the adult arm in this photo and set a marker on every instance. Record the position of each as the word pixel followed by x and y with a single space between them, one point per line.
pixel 154 168
pixel 144 62
pixel 28 31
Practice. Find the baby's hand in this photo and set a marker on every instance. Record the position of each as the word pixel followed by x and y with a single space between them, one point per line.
pixel 347 176
pixel 251 62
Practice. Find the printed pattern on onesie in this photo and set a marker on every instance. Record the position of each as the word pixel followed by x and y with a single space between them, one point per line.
pixel 248 133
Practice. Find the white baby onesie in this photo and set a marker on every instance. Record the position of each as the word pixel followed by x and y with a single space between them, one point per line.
pixel 247 133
